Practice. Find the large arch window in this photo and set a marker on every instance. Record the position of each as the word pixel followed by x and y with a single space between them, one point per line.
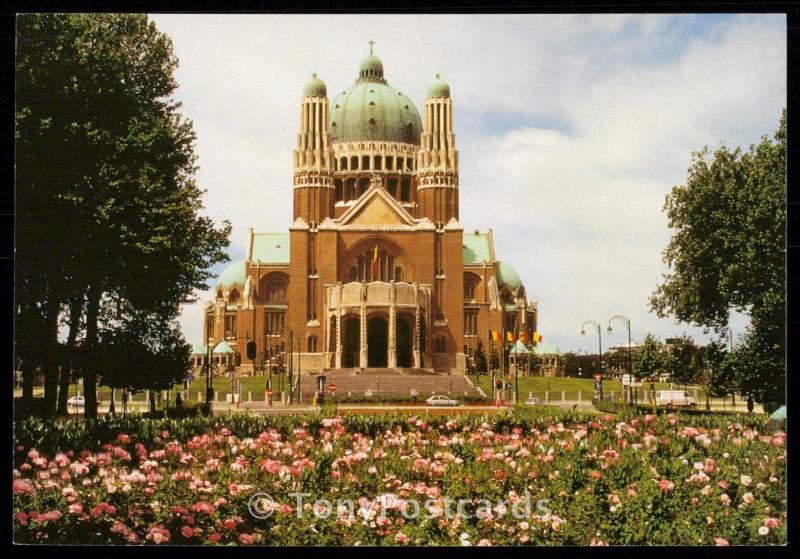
pixel 470 288
pixel 365 267
pixel 233 297
pixel 272 290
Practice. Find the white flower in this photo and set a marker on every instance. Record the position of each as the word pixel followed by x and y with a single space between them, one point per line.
pixel 763 530
pixel 746 480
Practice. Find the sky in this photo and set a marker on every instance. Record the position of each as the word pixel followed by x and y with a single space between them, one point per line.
pixel 571 130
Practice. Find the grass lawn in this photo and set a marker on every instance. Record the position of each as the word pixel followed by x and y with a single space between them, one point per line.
pixel 535 385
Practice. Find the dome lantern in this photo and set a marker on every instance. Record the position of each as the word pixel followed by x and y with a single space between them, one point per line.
pixel 438 88
pixel 315 87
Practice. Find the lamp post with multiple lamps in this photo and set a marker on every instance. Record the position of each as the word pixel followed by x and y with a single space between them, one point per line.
pixel 596 326
pixel 627 322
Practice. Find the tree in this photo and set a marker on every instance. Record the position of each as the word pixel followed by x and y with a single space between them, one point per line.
pixel 649 359
pixel 728 253
pixel 481 364
pixel 107 204
pixel 144 351
pixel 681 360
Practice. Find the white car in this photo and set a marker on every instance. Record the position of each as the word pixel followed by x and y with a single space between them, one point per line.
pixel 674 397
pixel 77 401
pixel 439 400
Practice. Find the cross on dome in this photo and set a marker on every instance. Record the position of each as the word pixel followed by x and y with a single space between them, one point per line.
pixel 371 42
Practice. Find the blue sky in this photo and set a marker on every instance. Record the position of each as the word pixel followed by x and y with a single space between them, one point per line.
pixel 571 130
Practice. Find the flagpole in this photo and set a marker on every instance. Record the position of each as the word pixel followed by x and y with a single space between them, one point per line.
pixel 516 372
pixel 489 361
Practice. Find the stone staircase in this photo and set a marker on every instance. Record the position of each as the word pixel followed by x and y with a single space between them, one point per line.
pixel 389 382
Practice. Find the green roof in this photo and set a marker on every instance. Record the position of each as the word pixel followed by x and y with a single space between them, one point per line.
pixel 199 349
pixel 371 110
pixel 315 87
pixel 438 88
pixel 780 413
pixel 476 248
pixel 520 348
pixel 223 347
pixel 272 248
pixel 371 67
pixel 234 274
pixel 546 349
pixel 506 275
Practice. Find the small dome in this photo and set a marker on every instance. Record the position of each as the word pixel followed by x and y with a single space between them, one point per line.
pixel 438 88
pixel 234 274
pixel 315 87
pixel 506 275
pixel 371 67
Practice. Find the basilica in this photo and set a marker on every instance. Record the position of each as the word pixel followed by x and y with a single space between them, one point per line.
pixel 376 270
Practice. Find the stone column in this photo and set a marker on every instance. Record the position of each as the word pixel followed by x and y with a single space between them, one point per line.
pixel 416 337
pixel 362 356
pixel 392 328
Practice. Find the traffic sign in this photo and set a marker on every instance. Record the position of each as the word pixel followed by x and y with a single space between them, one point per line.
pixel 598 376
pixel 332 387
pixel 269 392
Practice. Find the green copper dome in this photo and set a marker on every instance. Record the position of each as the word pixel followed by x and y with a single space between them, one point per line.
pixel 506 275
pixel 371 67
pixel 371 110
pixel 315 87
pixel 234 274
pixel 438 88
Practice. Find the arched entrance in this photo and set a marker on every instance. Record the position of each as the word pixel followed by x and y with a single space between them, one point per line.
pixel 377 342
pixel 405 337
pixel 351 341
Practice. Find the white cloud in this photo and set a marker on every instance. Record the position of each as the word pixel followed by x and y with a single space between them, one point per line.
pixel 571 129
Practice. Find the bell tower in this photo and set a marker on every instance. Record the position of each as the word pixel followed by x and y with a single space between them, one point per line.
pixel 437 158
pixel 313 159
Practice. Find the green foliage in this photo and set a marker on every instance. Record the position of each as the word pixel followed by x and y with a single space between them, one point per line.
pixel 634 478
pixel 728 251
pixel 682 360
pixel 649 359
pixel 481 363
pixel 106 199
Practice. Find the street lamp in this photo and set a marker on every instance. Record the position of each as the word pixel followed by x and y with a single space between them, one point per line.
pixel 596 326
pixel 627 322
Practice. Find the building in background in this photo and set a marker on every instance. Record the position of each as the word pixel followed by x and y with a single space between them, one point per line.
pixel 376 270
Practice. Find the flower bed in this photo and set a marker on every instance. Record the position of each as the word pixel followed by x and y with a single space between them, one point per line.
pixel 549 479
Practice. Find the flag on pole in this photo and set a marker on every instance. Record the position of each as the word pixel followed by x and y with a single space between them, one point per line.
pixel 537 337
pixel 523 337
pixel 375 263
pixel 510 337
pixel 495 336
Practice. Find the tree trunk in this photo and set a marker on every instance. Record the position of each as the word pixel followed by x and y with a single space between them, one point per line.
pixel 90 372
pixel 51 351
pixel 75 313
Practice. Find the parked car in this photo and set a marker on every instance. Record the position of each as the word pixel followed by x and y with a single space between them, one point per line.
pixel 674 397
pixel 533 402
pixel 77 401
pixel 439 400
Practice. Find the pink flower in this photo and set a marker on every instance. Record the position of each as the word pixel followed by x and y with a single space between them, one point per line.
pixel 23 487
pixel 721 541
pixel 187 532
pixel 665 485
pixel 245 539
pixel 771 523
pixel 157 534
pixel 400 537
